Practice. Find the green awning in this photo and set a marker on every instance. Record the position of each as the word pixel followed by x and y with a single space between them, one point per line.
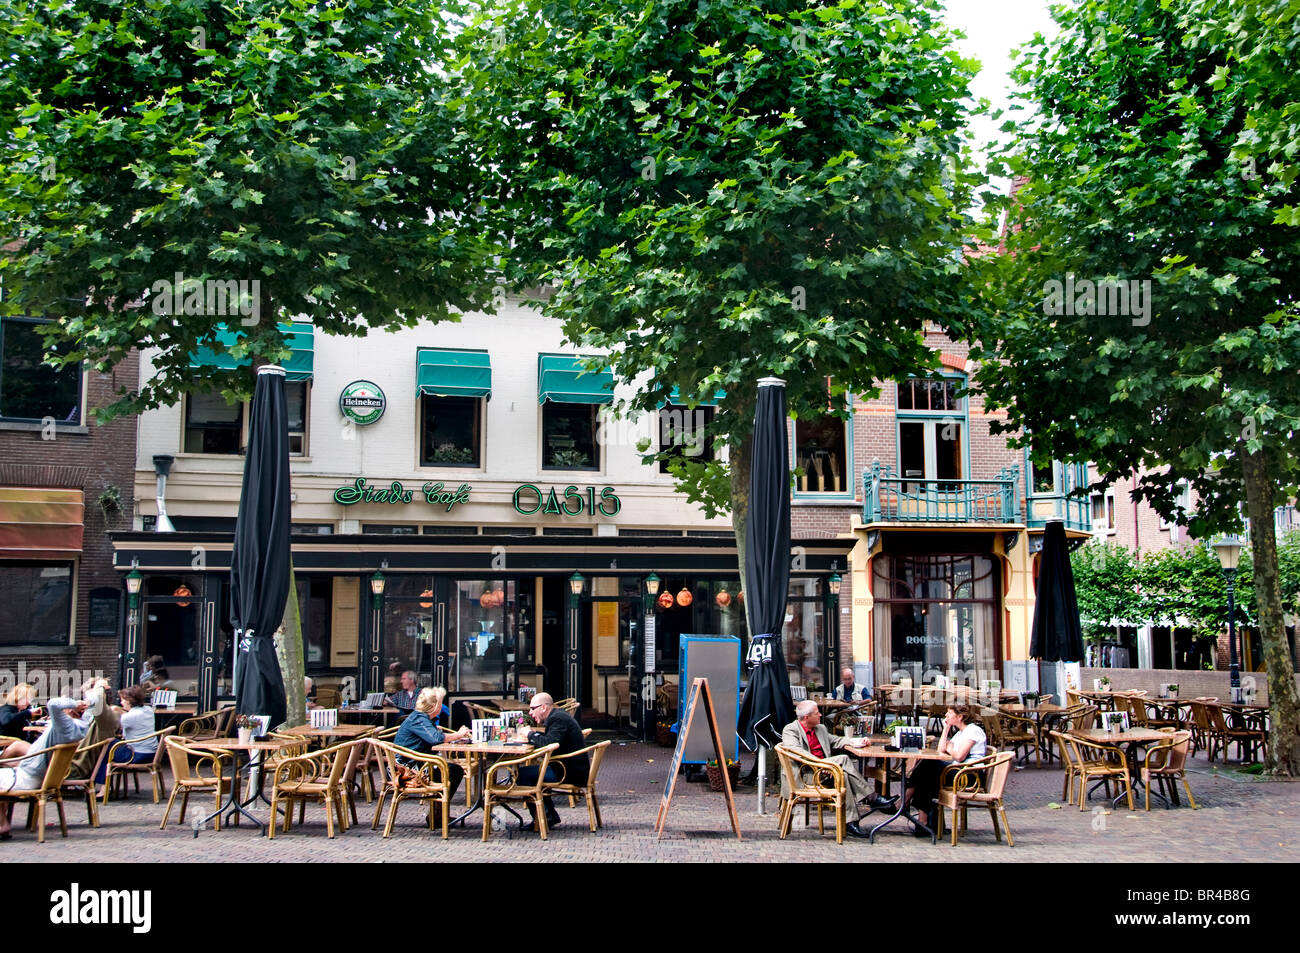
pixel 675 397
pixel 299 337
pixel 564 379
pixel 448 373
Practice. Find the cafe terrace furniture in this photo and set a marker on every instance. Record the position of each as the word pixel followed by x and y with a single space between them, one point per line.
pixel 905 758
pixel 1069 763
pixel 810 780
pixel 370 761
pixel 341 732
pixel 85 787
pixel 1249 736
pixel 57 766
pixel 980 783
pixel 257 755
pixel 312 777
pixel 568 705
pixel 118 773
pixel 1122 745
pixel 1165 763
pixel 209 725
pixel 207 774
pixel 502 790
pixel 1098 761
pixel 430 782
pixel 622 699
pixel 480 711
pixel 585 791
pixel 1010 732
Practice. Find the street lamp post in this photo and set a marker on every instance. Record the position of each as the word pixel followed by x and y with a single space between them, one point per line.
pixel 132 654
pixel 640 674
pixel 370 678
pixel 572 677
pixel 832 597
pixel 1228 549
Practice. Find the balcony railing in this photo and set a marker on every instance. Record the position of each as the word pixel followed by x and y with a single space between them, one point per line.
pixel 890 498
pixel 1071 510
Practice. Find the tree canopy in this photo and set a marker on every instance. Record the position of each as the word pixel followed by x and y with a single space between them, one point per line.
pixel 156 146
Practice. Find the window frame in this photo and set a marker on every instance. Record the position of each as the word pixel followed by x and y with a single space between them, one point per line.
pixel 80 373
pixel 478 428
pixel 245 410
pixel 72 566
pixel 542 442
pixel 677 450
pixel 1106 525
pixel 1184 502
pixel 931 420
pixel 846 490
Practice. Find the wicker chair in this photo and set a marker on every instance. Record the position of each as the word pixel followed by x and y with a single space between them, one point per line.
pixel 431 785
pixel 585 791
pixel 85 787
pixel 57 766
pixel 312 777
pixel 981 783
pixel 118 773
pixel 1249 739
pixel 510 790
pixel 371 761
pixel 205 727
pixel 479 710
pixel 1068 762
pixel 569 706
pixel 1166 763
pixel 823 784
pixel 1100 761
pixel 187 780
pixel 1208 732
pixel 622 699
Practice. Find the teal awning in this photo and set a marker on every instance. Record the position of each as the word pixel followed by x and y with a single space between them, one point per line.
pixel 298 336
pixel 675 397
pixel 564 379
pixel 447 373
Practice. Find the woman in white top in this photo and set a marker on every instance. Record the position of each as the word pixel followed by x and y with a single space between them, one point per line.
pixel 961 740
pixel 137 721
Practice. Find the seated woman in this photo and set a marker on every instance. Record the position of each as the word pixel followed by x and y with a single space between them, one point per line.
pixel 968 743
pixel 29 773
pixel 137 721
pixel 155 674
pixel 16 714
pixel 419 733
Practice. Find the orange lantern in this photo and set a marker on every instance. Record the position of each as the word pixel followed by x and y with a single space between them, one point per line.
pixel 427 594
pixel 740 596
pixel 498 597
pixel 665 600
pixel 182 591
pixel 723 599
pixel 485 600
pixel 684 598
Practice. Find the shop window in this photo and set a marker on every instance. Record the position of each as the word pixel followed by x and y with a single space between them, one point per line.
pixel 30 389
pixel 821 451
pixel 569 436
pixel 450 431
pixel 315 603
pixel 683 434
pixel 214 426
pixel 35 603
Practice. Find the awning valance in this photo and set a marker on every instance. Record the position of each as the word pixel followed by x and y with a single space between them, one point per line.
pixel 451 373
pixel 299 367
pixel 40 522
pixel 564 379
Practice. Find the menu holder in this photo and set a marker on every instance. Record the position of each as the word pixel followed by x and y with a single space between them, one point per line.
pixel 163 698
pixel 1114 721
pixel 324 717
pixel 480 729
pixel 909 738
pixel 799 693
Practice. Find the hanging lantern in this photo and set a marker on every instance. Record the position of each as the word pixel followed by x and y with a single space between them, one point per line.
pixel 427 594
pixel 723 599
pixel 684 598
pixel 498 597
pixel 485 600
pixel 665 600
pixel 740 596
pixel 182 591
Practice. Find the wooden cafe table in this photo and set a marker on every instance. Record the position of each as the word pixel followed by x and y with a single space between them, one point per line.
pixel 1128 742
pixel 345 732
pixel 877 750
pixel 234 806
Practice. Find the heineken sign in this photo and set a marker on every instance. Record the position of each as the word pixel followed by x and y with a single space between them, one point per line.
pixel 527 499
pixel 362 402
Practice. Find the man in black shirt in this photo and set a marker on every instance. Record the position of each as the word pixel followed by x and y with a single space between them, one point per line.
pixel 556 727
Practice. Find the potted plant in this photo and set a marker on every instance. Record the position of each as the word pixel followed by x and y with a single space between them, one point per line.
pixel 715 773
pixel 245 725
pixel 450 453
pixel 570 459
pixel 1103 683
pixel 665 735
pixel 1173 689
pixel 110 503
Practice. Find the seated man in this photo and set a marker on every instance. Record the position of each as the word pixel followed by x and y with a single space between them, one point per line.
pixel 847 691
pixel 558 727
pixel 404 698
pixel 808 736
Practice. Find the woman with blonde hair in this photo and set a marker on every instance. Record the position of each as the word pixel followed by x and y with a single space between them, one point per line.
pixel 18 712
pixel 420 733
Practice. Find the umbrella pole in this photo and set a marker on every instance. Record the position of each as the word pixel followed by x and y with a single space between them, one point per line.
pixel 762 779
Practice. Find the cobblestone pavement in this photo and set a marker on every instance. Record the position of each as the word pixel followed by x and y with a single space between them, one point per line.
pixel 1240 819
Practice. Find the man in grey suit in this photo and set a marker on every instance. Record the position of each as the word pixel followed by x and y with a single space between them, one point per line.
pixel 808 736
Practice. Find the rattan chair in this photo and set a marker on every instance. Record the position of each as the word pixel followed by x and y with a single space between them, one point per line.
pixel 118 773
pixel 1166 763
pixel 1206 731
pixel 622 699
pixel 480 710
pixel 569 706
pixel 312 777
pixel 980 783
pixel 585 791
pixel 501 791
pixel 205 727
pixel 1249 739
pixel 1068 763
pixel 190 779
pixel 85 787
pixel 432 783
pixel 810 781
pixel 1103 762
pixel 58 764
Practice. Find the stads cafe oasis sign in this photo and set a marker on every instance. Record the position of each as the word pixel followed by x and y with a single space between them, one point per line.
pixel 527 499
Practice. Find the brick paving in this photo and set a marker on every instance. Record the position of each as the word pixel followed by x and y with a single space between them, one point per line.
pixel 1241 819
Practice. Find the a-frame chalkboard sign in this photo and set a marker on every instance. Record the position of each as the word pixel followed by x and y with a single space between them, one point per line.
pixel 699 692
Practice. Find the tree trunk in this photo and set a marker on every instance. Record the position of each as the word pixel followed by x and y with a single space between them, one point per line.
pixel 738 462
pixel 288 649
pixel 1284 706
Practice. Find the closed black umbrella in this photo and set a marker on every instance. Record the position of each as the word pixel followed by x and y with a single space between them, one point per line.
pixel 1057 634
pixel 767 705
pixel 259 564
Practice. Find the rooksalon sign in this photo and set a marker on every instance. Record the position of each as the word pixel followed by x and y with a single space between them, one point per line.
pixel 527 498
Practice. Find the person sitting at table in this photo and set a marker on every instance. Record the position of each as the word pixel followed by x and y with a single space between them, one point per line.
pixel 29 773
pixel 809 736
pixel 419 733
pixel 18 711
pixel 136 721
pixel 848 691
pixel 308 691
pixel 393 680
pixel 404 698
pixel 962 740
pixel 99 722
pixel 557 727
pixel 155 674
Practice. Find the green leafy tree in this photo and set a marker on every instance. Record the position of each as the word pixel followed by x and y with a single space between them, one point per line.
pixel 722 191
pixel 1106 584
pixel 1186 587
pixel 1187 370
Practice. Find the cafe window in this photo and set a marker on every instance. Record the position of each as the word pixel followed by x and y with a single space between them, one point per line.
pixel 569 436
pixel 450 431
pixel 35 603
pixel 683 434
pixel 315 602
pixel 30 389
pixel 214 426
pixel 821 451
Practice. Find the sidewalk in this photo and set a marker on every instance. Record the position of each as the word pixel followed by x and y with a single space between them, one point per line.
pixel 1239 820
